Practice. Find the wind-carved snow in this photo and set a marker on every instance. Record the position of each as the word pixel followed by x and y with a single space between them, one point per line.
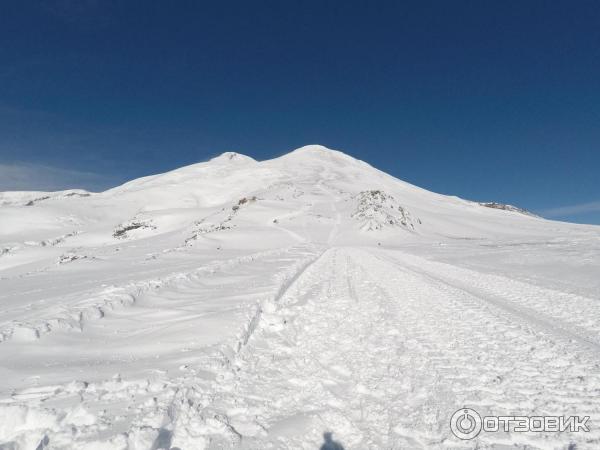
pixel 376 210
pixel 241 304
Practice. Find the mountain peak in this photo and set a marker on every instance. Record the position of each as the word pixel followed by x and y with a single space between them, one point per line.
pixel 317 150
pixel 314 148
pixel 232 157
pixel 319 153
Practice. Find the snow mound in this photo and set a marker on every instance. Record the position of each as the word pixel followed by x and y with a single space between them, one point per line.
pixel 375 210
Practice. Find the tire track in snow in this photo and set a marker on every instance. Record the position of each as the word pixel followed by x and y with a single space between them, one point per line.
pixel 513 369
pixel 513 298
pixel 330 352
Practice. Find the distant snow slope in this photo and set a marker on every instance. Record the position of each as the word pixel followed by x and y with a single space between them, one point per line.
pixel 245 304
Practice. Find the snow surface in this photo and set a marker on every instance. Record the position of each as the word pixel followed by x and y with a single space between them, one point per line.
pixel 257 305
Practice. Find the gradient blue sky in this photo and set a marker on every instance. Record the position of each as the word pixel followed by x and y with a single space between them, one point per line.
pixel 487 100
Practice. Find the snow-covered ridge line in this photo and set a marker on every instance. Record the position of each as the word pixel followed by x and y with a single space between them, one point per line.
pixel 506 207
pixel 30 198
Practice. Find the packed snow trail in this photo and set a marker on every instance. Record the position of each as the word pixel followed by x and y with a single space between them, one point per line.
pixel 382 357
pixel 566 315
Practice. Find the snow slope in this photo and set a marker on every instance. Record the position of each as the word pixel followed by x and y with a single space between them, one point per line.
pixel 245 304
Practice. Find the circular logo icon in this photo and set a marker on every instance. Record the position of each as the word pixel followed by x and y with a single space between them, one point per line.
pixel 465 424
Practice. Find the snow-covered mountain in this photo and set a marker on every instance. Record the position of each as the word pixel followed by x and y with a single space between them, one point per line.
pixel 302 191
pixel 237 303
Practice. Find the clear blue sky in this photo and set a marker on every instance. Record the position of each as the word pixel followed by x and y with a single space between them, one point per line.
pixel 487 100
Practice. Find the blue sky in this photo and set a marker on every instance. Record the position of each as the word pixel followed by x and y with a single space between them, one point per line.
pixel 486 100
